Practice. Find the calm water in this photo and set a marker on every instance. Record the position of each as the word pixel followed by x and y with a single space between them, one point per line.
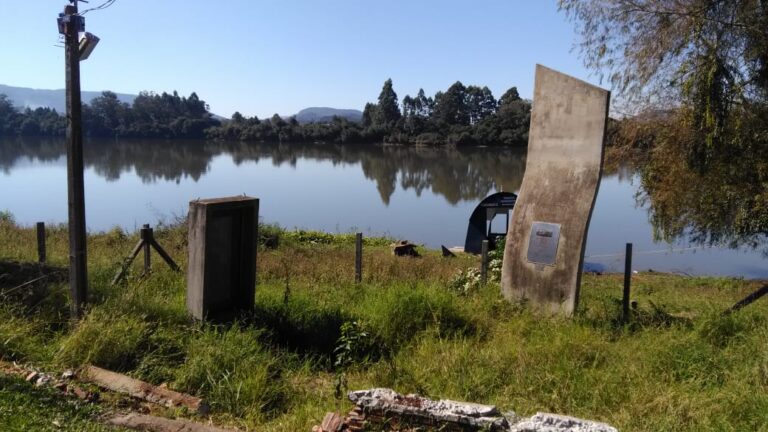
pixel 423 195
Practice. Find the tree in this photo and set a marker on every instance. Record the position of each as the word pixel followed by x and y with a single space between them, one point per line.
pixel 424 105
pixel 703 67
pixel 388 111
pixel 710 56
pixel 8 116
pixel 409 106
pixel 480 103
pixel 109 114
pixel 369 113
pixel 451 107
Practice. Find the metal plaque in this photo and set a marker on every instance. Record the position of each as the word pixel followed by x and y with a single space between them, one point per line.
pixel 542 246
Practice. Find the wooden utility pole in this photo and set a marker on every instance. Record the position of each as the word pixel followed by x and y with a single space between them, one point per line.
pixel 78 271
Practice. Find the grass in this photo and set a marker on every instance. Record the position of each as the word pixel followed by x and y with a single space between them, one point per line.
pixel 26 408
pixel 679 365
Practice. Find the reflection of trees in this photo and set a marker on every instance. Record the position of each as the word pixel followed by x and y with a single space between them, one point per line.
pixel 725 205
pixel 456 174
pixel 152 160
pixel 14 149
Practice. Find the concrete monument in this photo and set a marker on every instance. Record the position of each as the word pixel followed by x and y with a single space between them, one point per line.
pixel 544 249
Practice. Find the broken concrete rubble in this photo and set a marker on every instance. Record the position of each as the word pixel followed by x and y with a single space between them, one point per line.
pixel 381 407
pixel 544 422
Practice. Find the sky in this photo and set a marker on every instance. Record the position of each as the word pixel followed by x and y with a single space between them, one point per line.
pixel 261 57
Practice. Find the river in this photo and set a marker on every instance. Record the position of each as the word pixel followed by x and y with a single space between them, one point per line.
pixel 425 195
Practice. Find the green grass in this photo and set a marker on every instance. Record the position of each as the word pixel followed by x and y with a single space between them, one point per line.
pixel 679 365
pixel 25 408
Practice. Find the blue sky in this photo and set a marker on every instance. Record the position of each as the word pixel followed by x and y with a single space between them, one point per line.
pixel 262 57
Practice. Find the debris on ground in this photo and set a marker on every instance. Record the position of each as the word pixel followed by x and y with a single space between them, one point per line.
pixel 382 408
pixel 151 423
pixel 160 395
pixel 404 248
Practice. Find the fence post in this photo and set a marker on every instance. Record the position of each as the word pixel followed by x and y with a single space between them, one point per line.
pixel 358 257
pixel 627 283
pixel 146 237
pixel 484 262
pixel 41 242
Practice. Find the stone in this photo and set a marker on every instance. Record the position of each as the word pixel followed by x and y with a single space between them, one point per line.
pixel 544 249
pixel 221 274
pixel 545 422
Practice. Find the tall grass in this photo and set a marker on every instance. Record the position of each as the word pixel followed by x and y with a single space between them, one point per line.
pixel 679 365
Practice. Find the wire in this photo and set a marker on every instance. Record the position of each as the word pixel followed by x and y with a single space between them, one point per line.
pixel 649 252
pixel 104 5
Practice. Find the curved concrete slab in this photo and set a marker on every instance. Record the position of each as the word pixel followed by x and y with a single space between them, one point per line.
pixel 545 244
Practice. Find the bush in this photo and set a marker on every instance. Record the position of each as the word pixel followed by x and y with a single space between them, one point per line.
pixel 465 281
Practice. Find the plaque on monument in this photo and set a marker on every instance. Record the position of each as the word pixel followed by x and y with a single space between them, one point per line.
pixel 542 245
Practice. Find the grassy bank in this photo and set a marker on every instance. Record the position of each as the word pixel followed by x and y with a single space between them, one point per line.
pixel 411 325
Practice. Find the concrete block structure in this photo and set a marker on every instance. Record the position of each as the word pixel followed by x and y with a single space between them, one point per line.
pixel 221 273
pixel 544 249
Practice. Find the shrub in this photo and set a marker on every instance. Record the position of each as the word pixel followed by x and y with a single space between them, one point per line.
pixel 465 281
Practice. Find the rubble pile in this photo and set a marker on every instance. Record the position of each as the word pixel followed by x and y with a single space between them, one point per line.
pixel 385 409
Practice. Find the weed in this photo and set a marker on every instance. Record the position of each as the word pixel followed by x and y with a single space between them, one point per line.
pixel 235 371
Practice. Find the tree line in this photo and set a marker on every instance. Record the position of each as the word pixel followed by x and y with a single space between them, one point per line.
pixel 149 116
pixel 461 115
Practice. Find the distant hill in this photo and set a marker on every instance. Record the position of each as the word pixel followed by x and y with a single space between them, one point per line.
pixel 36 98
pixel 325 114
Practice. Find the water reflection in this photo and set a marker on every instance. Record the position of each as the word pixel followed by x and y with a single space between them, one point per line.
pixel 425 195
pixel 455 174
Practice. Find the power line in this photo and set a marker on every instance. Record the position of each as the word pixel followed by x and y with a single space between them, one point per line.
pixel 102 6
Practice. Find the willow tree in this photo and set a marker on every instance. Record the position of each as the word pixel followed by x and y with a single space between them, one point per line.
pixel 703 64
pixel 710 56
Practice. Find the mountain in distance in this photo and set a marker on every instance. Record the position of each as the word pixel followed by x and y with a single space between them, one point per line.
pixel 24 97
pixel 39 98
pixel 326 114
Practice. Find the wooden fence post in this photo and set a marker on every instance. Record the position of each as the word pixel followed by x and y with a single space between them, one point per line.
pixel 484 262
pixel 41 242
pixel 146 238
pixel 358 257
pixel 627 283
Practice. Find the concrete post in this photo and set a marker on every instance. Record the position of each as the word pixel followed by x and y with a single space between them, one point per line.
pixel 221 273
